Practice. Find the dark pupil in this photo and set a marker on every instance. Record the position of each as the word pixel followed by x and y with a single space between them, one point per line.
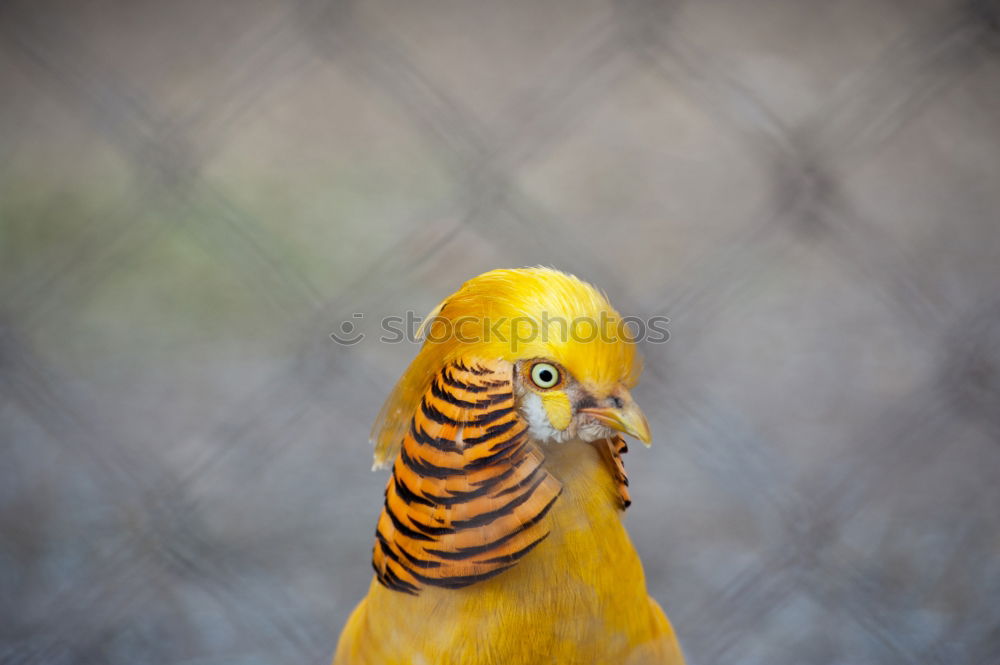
pixel 545 376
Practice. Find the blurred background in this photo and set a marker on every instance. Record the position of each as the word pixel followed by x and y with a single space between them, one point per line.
pixel 194 195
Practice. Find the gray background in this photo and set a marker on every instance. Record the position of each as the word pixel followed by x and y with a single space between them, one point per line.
pixel 193 195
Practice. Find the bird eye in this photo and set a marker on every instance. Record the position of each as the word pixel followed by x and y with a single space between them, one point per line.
pixel 544 375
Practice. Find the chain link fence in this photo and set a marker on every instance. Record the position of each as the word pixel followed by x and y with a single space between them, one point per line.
pixel 194 195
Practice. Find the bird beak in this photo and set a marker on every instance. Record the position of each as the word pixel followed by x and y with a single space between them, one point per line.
pixel 627 418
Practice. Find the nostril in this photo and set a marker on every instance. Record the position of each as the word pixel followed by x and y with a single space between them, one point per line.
pixel 618 402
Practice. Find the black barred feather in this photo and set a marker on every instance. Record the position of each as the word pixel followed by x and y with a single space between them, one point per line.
pixel 468 493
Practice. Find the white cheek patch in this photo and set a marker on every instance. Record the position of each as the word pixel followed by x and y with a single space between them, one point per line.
pixel 539 426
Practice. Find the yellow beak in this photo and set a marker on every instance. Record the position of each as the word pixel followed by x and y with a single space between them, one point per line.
pixel 627 418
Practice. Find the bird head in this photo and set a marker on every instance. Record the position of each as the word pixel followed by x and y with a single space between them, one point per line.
pixel 571 358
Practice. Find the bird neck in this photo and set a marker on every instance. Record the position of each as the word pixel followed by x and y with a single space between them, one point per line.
pixel 587 553
pixel 584 474
pixel 587 518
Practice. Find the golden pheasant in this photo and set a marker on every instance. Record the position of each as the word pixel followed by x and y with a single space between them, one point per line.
pixel 500 540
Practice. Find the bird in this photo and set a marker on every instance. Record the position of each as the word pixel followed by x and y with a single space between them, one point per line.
pixel 500 540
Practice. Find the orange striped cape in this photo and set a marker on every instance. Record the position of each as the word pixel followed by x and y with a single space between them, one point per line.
pixel 468 492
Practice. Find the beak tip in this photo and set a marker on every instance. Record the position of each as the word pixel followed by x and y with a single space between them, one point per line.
pixel 636 425
pixel 644 435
